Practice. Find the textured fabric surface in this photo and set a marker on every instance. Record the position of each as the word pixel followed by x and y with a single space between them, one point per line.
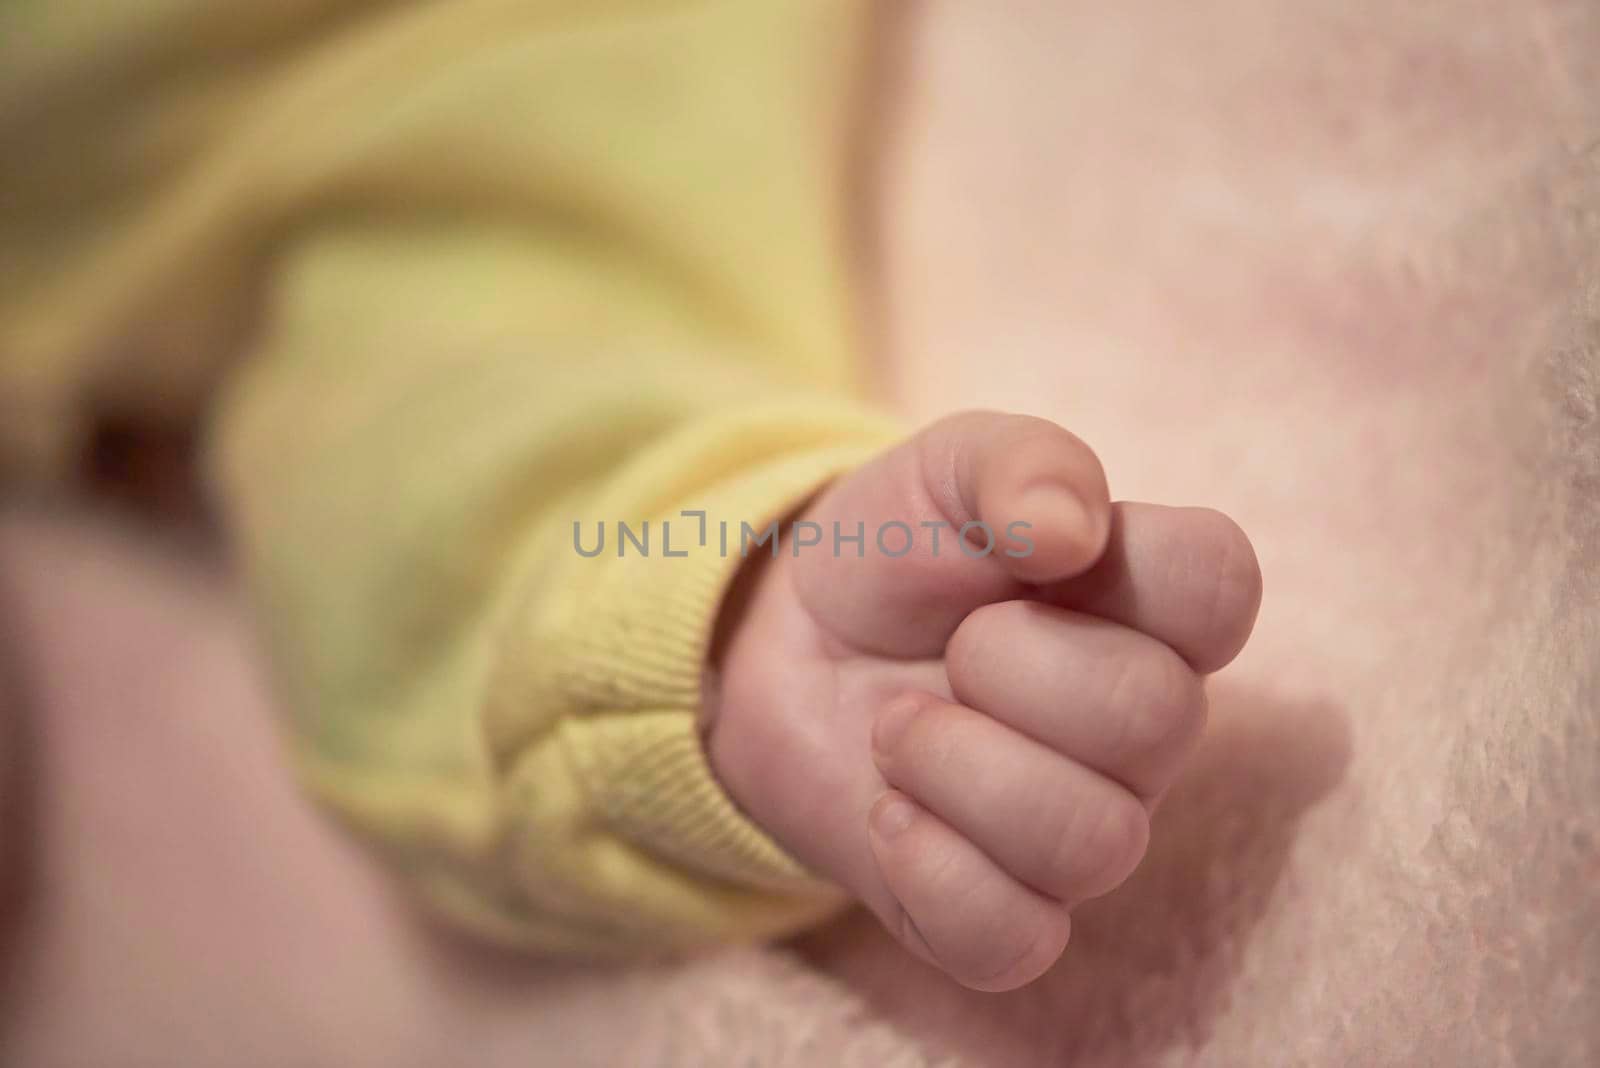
pixel 748 1008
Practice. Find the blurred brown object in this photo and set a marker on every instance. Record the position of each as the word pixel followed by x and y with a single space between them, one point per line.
pixel 147 468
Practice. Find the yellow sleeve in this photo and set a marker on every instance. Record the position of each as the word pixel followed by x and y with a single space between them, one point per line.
pixel 591 274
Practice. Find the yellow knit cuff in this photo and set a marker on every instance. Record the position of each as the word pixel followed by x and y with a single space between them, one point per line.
pixel 644 769
pixel 616 651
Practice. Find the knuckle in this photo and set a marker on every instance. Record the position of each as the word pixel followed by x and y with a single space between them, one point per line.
pixel 1107 846
pixel 1227 578
pixel 1118 841
pixel 1004 963
pixel 1160 703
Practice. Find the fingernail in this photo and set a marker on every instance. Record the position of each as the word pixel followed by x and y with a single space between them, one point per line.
pixel 917 943
pixel 892 722
pixel 892 815
pixel 1052 507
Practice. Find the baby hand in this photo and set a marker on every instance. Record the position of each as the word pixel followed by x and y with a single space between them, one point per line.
pixel 971 741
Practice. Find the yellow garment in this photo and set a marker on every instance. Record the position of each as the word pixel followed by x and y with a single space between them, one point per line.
pixel 448 276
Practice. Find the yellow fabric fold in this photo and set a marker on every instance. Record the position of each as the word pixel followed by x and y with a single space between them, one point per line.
pixel 442 277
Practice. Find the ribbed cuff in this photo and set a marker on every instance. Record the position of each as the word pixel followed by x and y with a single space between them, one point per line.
pixel 617 652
